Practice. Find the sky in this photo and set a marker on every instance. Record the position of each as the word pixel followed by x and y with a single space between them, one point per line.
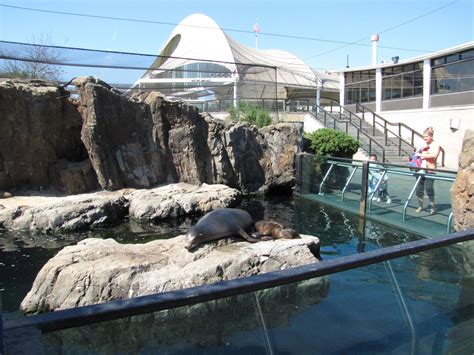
pixel 326 34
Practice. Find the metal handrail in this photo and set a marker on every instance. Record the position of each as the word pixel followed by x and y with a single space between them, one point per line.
pixel 86 315
pixel 413 133
pixel 349 122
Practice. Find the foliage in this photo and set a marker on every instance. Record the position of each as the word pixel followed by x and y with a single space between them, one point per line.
pixel 246 111
pixel 329 142
pixel 33 61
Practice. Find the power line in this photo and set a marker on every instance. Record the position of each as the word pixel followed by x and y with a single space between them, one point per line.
pixel 386 30
pixel 126 19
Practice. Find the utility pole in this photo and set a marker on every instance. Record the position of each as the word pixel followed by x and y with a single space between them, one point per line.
pixel 256 29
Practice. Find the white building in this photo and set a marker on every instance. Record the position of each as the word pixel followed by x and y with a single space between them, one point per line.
pixel 432 90
pixel 200 61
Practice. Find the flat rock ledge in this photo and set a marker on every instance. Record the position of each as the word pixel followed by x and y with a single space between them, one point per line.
pixel 99 209
pixel 100 270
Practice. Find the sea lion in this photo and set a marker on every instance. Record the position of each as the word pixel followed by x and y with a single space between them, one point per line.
pixel 275 230
pixel 220 223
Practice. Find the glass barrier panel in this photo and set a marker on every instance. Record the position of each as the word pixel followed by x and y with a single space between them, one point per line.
pixel 421 303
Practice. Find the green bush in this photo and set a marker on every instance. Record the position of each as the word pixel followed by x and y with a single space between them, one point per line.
pixel 329 142
pixel 248 112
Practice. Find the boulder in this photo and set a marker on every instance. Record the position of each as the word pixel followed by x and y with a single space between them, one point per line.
pixel 66 214
pixel 100 270
pixel 181 199
pixel 462 191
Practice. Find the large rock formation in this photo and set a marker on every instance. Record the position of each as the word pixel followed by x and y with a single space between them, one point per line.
pixel 113 141
pixel 207 150
pixel 117 133
pixel 462 191
pixel 40 139
pixel 101 270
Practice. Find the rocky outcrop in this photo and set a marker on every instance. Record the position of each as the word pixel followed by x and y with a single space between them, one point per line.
pixel 67 214
pixel 40 127
pixel 100 270
pixel 181 199
pixel 117 133
pixel 203 149
pixel 110 140
pixel 462 191
pixel 86 211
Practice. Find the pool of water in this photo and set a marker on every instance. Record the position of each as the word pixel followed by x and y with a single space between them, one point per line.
pixel 421 303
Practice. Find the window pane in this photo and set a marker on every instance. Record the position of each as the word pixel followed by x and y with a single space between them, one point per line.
pixel 371 94
pixel 467 54
pixel 452 58
pixel 438 61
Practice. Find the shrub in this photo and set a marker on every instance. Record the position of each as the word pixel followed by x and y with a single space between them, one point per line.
pixel 251 113
pixel 329 142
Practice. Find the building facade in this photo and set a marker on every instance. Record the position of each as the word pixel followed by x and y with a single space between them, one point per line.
pixel 434 90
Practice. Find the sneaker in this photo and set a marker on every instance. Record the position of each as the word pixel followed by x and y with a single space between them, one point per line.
pixel 419 209
pixel 377 199
pixel 389 200
pixel 433 211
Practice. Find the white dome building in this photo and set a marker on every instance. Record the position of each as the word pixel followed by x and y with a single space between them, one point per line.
pixel 200 61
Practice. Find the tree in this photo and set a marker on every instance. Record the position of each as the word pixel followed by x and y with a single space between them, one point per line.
pixel 37 60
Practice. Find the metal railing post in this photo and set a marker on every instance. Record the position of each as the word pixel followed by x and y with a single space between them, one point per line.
pixel 324 180
pixel 410 196
pixel 348 181
pixel 363 189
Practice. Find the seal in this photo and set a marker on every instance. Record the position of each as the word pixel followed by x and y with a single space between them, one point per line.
pixel 220 223
pixel 275 230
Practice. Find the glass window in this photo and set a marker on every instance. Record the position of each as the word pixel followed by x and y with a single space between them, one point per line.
pixel 466 77
pixel 358 89
pixel 467 54
pixel 452 58
pixel 438 61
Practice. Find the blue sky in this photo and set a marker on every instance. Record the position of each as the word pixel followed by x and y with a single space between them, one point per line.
pixel 410 28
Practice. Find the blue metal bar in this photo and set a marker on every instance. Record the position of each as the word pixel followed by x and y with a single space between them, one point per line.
pixel 324 179
pixel 450 220
pixel 410 196
pixel 379 182
pixel 348 181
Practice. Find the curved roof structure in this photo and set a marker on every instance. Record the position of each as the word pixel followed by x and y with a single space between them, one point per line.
pixel 200 56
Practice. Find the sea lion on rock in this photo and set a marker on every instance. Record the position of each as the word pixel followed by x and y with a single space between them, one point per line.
pixel 275 230
pixel 220 223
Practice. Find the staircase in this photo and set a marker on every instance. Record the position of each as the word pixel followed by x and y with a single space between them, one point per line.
pixel 380 136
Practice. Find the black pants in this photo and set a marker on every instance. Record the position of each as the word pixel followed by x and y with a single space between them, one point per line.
pixel 425 185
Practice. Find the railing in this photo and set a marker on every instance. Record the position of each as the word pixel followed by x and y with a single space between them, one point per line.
pixel 348 122
pixel 86 315
pixel 375 122
pixel 407 187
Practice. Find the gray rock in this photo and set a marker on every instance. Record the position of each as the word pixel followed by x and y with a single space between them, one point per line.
pixel 39 126
pixel 72 213
pixel 117 133
pixel 462 191
pixel 97 270
pixel 181 199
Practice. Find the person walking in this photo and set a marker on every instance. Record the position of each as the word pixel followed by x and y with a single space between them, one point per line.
pixel 429 154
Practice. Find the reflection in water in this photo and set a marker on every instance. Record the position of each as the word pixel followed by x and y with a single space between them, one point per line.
pixel 210 324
